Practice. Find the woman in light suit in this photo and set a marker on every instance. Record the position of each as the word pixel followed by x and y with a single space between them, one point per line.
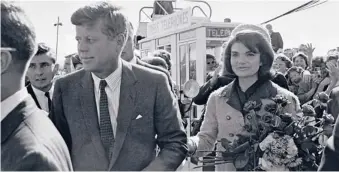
pixel 248 57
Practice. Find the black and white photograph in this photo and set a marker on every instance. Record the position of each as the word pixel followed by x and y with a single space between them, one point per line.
pixel 169 85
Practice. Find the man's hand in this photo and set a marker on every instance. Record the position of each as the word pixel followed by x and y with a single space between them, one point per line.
pixel 192 147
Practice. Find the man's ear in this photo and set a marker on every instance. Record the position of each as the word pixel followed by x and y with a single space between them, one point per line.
pixel 6 59
pixel 121 40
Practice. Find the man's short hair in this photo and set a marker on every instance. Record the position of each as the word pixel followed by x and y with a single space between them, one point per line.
pixel 75 59
pixel 115 22
pixel 17 32
pixel 130 32
pixel 164 55
pixel 44 49
pixel 155 61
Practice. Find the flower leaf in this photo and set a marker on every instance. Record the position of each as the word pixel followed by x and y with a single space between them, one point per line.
pixel 241 161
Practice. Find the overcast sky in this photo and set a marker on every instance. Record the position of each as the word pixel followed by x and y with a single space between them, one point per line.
pixel 319 25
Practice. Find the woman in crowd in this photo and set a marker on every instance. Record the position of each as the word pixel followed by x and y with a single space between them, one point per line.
pixel 248 57
pixel 282 63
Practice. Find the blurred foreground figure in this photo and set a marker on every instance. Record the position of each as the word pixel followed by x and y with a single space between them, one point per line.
pixel 29 140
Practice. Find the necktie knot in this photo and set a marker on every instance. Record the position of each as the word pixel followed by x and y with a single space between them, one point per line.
pixel 102 84
pixel 47 94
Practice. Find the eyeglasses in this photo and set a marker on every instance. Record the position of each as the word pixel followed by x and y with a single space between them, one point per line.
pixel 7 49
pixel 213 62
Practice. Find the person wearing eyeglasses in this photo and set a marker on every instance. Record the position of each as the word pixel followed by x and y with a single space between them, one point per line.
pixel 29 140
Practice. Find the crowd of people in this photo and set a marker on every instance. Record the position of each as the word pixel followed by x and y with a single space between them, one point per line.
pixel 112 110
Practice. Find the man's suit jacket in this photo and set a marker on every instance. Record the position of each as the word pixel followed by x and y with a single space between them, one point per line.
pixel 30 142
pixel 144 92
pixel 31 92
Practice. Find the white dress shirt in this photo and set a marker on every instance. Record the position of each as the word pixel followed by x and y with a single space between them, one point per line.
pixel 12 101
pixel 113 94
pixel 134 60
pixel 42 99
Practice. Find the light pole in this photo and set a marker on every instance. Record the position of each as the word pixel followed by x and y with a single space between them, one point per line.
pixel 57 40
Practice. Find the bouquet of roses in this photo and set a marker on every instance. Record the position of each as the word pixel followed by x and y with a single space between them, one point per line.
pixel 272 140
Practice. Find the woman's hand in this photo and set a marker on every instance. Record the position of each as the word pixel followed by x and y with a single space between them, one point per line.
pixel 307 77
pixel 333 71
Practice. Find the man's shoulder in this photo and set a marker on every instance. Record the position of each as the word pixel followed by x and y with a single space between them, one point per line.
pixel 36 133
pixel 40 127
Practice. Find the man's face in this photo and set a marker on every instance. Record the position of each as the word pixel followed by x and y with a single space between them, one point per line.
pixel 40 72
pixel 97 51
pixel 128 52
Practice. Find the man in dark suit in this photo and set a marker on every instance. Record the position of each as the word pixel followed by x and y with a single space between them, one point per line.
pixel 41 72
pixel 110 112
pixel 276 39
pixel 29 140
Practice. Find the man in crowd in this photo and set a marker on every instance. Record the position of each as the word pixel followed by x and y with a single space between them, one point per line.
pixel 41 72
pixel 29 140
pixel 128 54
pixel 110 112
pixel 164 55
pixel 276 39
pixel 72 63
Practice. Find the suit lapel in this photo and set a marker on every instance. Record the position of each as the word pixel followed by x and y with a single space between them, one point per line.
pixel 15 117
pixel 31 92
pixel 126 110
pixel 89 112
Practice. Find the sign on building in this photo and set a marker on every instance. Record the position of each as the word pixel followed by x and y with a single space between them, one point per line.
pixel 168 23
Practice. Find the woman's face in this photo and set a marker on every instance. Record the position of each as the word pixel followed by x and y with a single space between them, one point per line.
pixel 280 66
pixel 300 62
pixel 295 77
pixel 244 62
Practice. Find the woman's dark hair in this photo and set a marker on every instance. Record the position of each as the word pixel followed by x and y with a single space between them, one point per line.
pixel 256 43
pixel 285 59
pixel 302 55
